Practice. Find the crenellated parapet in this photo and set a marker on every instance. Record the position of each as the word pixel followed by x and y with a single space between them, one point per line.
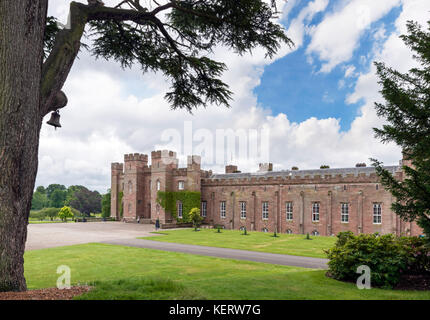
pixel 136 157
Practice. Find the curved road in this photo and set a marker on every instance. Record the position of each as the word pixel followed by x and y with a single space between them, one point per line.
pixel 273 258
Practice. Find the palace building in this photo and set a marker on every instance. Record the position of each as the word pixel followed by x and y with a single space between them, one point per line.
pixel 318 202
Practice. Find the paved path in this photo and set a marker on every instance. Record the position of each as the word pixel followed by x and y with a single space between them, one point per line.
pixel 49 235
pixel 282 259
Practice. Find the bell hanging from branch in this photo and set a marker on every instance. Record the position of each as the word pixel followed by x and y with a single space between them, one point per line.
pixel 55 120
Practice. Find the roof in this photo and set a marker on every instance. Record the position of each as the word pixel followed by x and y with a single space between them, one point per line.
pixel 302 173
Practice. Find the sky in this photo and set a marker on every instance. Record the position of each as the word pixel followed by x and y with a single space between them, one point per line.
pixel 311 104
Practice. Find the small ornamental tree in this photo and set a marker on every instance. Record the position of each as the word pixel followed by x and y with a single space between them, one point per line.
pixel 65 212
pixel 195 217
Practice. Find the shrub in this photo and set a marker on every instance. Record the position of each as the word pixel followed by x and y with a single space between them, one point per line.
pixel 65 212
pixel 387 256
pixel 37 214
pixel 195 217
pixel 44 213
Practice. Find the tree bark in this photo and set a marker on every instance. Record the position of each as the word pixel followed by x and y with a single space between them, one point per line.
pixel 22 24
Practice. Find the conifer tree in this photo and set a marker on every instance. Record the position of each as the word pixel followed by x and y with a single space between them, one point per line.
pixel 407 111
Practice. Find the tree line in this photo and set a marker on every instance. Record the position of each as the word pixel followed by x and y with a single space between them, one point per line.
pixel 76 196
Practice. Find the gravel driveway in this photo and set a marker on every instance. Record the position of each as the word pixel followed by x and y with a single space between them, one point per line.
pixel 48 235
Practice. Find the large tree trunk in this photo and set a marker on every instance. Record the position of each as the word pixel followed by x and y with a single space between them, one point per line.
pixel 22 25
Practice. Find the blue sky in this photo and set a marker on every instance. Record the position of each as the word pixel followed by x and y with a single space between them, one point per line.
pixel 293 86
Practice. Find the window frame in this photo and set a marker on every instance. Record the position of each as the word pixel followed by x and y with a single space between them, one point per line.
pixel 204 209
pixel 378 213
pixel 222 210
pixel 181 185
pixel 180 210
pixel 315 213
pixel 289 211
pixel 242 210
pixel 344 212
pixel 265 210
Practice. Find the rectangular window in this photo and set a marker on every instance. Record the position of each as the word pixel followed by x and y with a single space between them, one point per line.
pixel 222 210
pixel 265 211
pixel 204 209
pixel 181 185
pixel 243 210
pixel 289 210
pixel 344 212
pixel 180 210
pixel 315 212
pixel 377 213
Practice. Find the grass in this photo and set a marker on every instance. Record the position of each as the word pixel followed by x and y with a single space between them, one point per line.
pixel 292 244
pixel 134 273
pixel 48 221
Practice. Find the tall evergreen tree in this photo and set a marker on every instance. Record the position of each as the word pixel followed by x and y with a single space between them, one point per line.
pixel 407 110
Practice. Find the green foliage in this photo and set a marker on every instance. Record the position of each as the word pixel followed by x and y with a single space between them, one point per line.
pixel 45 213
pixel 106 204
pixel 387 256
pixel 407 111
pixel 65 212
pixel 308 237
pixel 168 201
pixel 324 166
pixel 40 200
pixel 86 201
pixel 295 168
pixel 195 217
pixel 57 198
pixel 52 187
pixel 179 45
pixel 51 31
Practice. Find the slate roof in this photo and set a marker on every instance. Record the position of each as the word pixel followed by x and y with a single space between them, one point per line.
pixel 302 173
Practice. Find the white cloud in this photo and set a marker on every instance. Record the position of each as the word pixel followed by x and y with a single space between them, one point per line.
pixel 337 36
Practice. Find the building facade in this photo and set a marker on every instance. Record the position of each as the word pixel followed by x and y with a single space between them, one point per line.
pixel 318 202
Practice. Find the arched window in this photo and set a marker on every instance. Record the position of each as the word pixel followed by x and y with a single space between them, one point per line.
pixel 289 231
pixel 264 230
pixel 158 185
pixel 315 233
pixel 129 207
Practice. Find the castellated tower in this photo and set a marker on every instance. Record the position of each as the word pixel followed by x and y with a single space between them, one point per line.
pixel 163 163
pixel 134 185
pixel 193 173
pixel 117 175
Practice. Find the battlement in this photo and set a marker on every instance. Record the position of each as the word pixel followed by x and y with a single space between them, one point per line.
pixel 193 162
pixel 116 166
pixel 136 157
pixel 159 154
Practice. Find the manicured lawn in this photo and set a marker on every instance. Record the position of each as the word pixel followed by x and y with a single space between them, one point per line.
pixel 48 221
pixel 292 244
pixel 135 273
